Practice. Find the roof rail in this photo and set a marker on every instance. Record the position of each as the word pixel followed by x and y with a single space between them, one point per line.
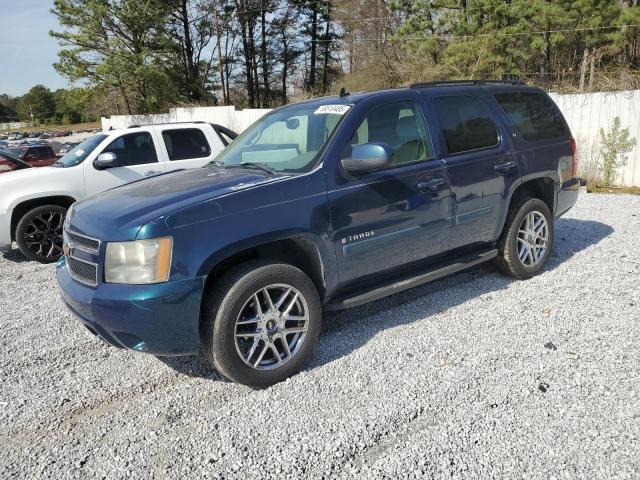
pixel 164 123
pixel 453 83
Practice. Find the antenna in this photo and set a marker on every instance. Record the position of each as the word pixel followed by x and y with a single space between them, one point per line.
pixel 343 92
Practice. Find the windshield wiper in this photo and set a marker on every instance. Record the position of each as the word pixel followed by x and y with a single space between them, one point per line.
pixel 215 163
pixel 57 164
pixel 258 166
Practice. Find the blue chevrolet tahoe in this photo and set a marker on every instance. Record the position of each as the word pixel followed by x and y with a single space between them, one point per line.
pixel 323 204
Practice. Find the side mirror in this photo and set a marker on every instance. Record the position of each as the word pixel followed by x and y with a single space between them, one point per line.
pixel 105 160
pixel 369 157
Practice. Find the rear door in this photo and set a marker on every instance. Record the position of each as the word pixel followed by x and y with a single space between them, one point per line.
pixel 188 146
pixel 137 158
pixel 387 219
pixel 480 165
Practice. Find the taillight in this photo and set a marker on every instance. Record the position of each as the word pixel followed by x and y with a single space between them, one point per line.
pixel 574 154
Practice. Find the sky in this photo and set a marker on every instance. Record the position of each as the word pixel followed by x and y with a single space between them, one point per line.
pixel 27 52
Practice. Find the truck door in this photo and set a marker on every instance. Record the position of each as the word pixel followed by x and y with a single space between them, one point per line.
pixel 189 147
pixel 389 218
pixel 137 158
pixel 480 166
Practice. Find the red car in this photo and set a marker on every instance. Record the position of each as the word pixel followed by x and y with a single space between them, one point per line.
pixel 9 163
pixel 36 156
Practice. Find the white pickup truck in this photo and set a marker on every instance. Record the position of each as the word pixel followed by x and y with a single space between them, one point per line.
pixel 34 201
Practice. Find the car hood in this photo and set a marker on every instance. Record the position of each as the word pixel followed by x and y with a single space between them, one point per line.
pixel 117 214
pixel 33 182
pixel 32 174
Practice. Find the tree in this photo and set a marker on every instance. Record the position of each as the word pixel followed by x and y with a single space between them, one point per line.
pixel 614 146
pixel 8 107
pixel 119 44
pixel 192 26
pixel 39 102
pixel 288 52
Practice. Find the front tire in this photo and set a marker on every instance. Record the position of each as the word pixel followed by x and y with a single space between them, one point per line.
pixel 527 239
pixel 39 233
pixel 261 323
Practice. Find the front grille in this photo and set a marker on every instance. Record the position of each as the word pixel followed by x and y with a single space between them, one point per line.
pixel 84 243
pixel 82 271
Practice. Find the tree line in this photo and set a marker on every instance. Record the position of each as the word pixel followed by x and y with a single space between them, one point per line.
pixel 61 107
pixel 139 56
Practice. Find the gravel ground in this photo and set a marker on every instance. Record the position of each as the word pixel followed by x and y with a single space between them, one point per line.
pixel 473 376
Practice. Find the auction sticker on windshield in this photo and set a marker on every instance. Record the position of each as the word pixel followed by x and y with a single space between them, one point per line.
pixel 332 109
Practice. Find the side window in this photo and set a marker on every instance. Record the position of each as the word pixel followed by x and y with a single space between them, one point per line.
pixel 534 115
pixel 401 126
pixel 186 143
pixel 133 149
pixel 466 124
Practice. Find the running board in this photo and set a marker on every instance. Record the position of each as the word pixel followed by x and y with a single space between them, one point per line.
pixel 437 271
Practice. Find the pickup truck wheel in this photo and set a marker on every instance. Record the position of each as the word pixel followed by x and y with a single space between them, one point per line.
pixel 527 239
pixel 39 233
pixel 261 323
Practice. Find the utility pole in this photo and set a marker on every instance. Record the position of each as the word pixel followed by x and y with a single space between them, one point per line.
pixel 31 113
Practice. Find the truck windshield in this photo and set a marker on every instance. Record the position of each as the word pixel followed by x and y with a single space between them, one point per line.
pixel 289 139
pixel 80 152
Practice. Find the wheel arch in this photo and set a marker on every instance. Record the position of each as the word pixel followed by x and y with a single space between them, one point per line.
pixel 301 251
pixel 543 188
pixel 24 206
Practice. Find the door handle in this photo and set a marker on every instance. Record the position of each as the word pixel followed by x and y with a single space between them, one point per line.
pixel 151 172
pixel 431 185
pixel 505 167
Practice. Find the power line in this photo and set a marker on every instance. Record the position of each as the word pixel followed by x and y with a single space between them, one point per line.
pixel 497 34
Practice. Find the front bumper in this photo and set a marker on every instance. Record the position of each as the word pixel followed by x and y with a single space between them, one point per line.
pixel 162 319
pixel 5 230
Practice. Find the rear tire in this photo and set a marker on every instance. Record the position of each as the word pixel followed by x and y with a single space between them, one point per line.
pixel 245 340
pixel 527 239
pixel 39 233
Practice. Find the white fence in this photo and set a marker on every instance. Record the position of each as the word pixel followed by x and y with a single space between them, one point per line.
pixel 13 125
pixel 586 114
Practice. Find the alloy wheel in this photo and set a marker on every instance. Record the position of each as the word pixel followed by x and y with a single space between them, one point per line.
pixel 43 235
pixel 533 238
pixel 271 327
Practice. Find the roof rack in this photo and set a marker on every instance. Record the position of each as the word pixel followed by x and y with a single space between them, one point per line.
pixel 163 123
pixel 453 83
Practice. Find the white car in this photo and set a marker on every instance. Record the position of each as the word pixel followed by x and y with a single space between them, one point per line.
pixel 34 201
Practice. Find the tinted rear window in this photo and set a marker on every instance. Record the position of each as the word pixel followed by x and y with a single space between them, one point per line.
pixel 534 115
pixel 466 124
pixel 186 143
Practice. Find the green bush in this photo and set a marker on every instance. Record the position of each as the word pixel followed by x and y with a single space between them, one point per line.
pixel 614 146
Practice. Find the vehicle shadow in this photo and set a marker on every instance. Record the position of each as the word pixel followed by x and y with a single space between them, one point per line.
pixel 345 331
pixel 16 256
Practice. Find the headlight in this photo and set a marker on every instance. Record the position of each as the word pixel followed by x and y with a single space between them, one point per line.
pixel 67 218
pixel 138 262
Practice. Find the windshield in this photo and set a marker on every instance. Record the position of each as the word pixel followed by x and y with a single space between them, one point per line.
pixel 288 139
pixel 15 152
pixel 80 152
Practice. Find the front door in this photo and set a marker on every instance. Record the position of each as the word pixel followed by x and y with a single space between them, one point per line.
pixel 386 219
pixel 137 158
pixel 480 165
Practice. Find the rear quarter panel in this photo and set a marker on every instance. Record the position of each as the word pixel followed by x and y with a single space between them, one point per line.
pixel 549 158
